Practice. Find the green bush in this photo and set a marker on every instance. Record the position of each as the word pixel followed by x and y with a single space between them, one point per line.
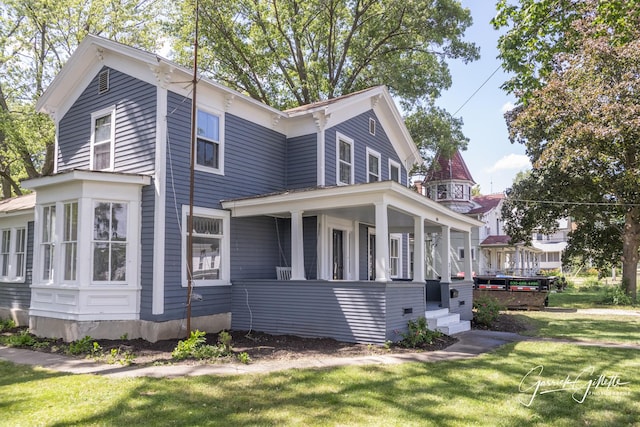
pixel 22 339
pixel 615 295
pixel 84 345
pixel 486 310
pixel 6 324
pixel 196 347
pixel 418 334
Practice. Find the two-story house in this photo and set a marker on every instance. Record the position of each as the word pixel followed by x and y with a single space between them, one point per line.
pixel 302 220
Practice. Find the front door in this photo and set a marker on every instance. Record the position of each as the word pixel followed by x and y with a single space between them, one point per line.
pixel 338 254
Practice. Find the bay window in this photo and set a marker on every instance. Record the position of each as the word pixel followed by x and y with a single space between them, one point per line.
pixel 109 242
pixel 70 240
pixel 47 243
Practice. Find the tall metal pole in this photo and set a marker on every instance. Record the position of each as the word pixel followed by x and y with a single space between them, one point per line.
pixel 194 111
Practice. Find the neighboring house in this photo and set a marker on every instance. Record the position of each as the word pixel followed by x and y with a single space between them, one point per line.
pixel 303 222
pixel 449 182
pixel 553 245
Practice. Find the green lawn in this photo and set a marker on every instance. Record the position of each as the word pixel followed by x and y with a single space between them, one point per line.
pixel 481 391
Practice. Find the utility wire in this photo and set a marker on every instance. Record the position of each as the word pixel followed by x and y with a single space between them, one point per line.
pixel 553 202
pixel 477 90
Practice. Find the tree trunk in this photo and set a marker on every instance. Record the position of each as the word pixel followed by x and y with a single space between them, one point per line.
pixel 630 245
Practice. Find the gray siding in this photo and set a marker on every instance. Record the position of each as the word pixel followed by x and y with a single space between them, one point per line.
pixel 254 163
pixel 146 251
pixel 403 297
pixel 363 255
pixel 464 303
pixel 135 103
pixel 302 158
pixel 346 311
pixel 18 295
pixel 357 129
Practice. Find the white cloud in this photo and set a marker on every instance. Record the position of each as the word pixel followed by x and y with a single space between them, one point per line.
pixel 511 162
pixel 507 107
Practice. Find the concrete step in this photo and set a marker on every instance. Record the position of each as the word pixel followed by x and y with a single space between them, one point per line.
pixel 444 321
pixel 455 328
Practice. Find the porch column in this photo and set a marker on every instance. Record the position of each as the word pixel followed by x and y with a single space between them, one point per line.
pixel 382 243
pixel 297 247
pixel 517 266
pixel 445 255
pixel 468 258
pixel 418 249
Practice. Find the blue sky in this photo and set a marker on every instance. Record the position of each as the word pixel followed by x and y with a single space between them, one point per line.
pixel 492 160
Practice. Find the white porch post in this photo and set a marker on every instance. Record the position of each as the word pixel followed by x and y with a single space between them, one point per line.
pixel 297 247
pixel 445 255
pixel 418 249
pixel 468 258
pixel 517 266
pixel 382 243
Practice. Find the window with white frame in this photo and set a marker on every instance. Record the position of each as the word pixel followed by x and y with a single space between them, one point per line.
pixel 345 160
pixel 47 243
pixel 458 191
pixel 373 166
pixel 443 192
pixel 70 240
pixel 109 244
pixel 394 170
pixel 103 124
pixel 209 246
pixel 461 254
pixel 209 152
pixel 5 253
pixel 394 256
pixel 372 126
pixel 12 253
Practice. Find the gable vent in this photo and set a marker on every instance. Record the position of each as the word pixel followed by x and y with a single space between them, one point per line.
pixel 103 81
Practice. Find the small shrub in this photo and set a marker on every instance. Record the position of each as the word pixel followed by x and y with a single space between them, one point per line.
pixel 418 334
pixel 124 358
pixel 22 339
pixel 84 345
pixel 7 324
pixel 244 358
pixel 196 347
pixel 486 310
pixel 615 295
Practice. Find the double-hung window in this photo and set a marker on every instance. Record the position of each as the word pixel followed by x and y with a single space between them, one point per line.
pixel 394 170
pixel 209 152
pixel 345 160
pixel 394 255
pixel 47 244
pixel 209 246
pixel 109 242
pixel 373 166
pixel 5 253
pixel 70 240
pixel 12 253
pixel 103 139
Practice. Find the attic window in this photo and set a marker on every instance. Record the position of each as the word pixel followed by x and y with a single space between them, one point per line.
pixel 103 81
pixel 372 126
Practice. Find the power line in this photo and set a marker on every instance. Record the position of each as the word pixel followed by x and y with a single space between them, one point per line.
pixel 554 202
pixel 477 90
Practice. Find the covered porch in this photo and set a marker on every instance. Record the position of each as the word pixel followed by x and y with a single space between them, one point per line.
pixel 500 257
pixel 370 263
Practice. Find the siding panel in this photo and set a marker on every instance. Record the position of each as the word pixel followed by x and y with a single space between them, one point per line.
pixel 302 157
pixel 135 103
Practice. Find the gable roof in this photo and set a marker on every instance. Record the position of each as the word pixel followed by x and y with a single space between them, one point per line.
pixel 444 168
pixel 486 203
pixel 95 52
pixel 18 204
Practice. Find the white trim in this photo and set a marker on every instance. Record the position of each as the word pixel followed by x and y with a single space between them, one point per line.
pixel 373 153
pixel 393 163
pixel 397 237
pixel 157 298
pixel 327 225
pixel 94 116
pixel 221 123
pixel 341 137
pixel 225 246
pixel 12 276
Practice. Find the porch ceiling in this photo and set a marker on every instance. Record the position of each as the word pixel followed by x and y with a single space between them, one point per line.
pixel 355 202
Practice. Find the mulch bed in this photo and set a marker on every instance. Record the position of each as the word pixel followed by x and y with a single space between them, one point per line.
pixel 264 347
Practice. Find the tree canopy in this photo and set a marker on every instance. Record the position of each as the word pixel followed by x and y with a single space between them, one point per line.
pixel 36 39
pixel 288 53
pixel 580 125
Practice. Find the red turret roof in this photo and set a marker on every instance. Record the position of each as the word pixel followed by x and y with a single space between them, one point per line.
pixel 486 203
pixel 445 169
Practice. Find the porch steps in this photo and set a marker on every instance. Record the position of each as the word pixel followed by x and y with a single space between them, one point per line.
pixel 444 321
